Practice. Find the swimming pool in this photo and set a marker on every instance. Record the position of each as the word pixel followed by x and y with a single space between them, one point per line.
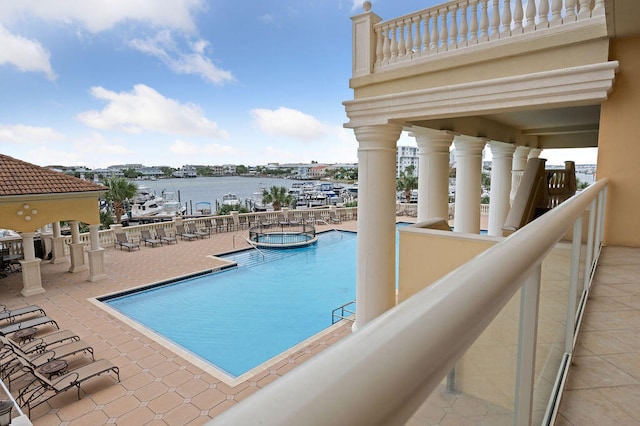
pixel 241 317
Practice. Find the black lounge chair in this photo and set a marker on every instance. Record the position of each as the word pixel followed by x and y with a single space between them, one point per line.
pixel 43 388
pixel 38 359
pixel 41 343
pixel 180 231
pixel 333 218
pixel 33 322
pixel 123 242
pixel 145 236
pixel 11 315
pixel 201 234
pixel 162 234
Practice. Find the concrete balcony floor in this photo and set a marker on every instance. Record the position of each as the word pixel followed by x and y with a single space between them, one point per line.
pixel 159 387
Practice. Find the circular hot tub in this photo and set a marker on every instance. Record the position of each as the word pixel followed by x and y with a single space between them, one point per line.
pixel 283 237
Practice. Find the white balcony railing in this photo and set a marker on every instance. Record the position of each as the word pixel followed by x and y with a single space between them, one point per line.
pixel 383 373
pixel 458 24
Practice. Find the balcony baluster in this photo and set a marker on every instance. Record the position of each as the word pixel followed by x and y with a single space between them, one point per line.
pixel 556 13
pixel 394 44
pixel 506 20
pixel 569 11
pixel 495 21
pixel 473 28
pixel 518 15
pixel 426 40
pixel 453 32
pixel 417 40
pixel 530 23
pixel 484 22
pixel 386 48
pixel 543 14
pixel 402 51
pixel 444 33
pixel 585 9
pixel 464 26
pixel 408 51
pixel 598 8
pixel 379 44
pixel 434 32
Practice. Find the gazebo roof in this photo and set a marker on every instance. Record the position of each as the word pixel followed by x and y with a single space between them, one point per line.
pixel 21 178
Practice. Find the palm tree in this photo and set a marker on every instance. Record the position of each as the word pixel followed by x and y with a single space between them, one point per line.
pixel 277 196
pixel 407 182
pixel 120 190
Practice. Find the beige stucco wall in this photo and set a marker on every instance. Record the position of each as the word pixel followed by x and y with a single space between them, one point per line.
pixel 28 214
pixel 427 255
pixel 619 146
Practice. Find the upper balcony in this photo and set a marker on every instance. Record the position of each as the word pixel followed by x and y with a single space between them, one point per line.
pixel 526 72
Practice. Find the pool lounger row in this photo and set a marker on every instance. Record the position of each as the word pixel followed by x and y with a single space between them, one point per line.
pixel 11 315
pixel 34 322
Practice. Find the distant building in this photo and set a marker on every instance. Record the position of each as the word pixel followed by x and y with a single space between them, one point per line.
pixel 186 171
pixel 406 156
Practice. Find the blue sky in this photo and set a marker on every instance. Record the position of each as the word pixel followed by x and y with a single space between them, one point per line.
pixel 174 82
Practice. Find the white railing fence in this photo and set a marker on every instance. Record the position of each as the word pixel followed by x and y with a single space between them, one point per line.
pixel 383 373
pixel 229 223
pixel 461 23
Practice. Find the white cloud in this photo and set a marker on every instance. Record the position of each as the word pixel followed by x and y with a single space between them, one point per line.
pixel 98 15
pixel 164 47
pixel 24 54
pixel 290 123
pixel 27 135
pixel 144 109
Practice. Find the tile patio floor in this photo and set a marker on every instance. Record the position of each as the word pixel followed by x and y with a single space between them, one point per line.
pixel 159 387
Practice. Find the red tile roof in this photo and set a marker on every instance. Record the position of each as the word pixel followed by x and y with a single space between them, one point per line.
pixel 21 178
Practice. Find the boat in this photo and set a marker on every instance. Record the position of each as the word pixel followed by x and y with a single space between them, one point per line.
pixel 203 208
pixel 146 204
pixel 257 205
pixel 230 200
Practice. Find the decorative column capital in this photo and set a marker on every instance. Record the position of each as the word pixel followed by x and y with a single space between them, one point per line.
pixel 468 145
pixel 502 149
pixel 429 140
pixel 377 137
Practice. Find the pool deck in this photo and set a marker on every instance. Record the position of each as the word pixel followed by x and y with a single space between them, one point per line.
pixel 158 387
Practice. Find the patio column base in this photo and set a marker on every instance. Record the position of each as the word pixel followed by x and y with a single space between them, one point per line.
pixel 77 258
pixel 31 279
pixel 57 250
pixel 96 265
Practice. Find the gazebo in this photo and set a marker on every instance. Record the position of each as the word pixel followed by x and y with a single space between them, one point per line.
pixel 32 197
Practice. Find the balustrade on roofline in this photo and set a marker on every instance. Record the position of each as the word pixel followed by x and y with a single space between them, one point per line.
pixel 464 23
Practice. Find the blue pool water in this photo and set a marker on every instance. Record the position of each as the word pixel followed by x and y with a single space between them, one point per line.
pixel 239 318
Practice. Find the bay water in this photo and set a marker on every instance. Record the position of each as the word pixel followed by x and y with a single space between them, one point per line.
pixel 190 191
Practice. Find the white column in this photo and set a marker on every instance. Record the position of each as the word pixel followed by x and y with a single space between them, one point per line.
pixel 519 164
pixel 468 183
pixel 57 249
pixel 433 177
pixel 31 278
pixel 96 256
pixel 76 249
pixel 375 264
pixel 499 204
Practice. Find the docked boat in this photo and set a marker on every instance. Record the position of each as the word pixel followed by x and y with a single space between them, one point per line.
pixel 230 200
pixel 257 204
pixel 146 204
pixel 203 208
